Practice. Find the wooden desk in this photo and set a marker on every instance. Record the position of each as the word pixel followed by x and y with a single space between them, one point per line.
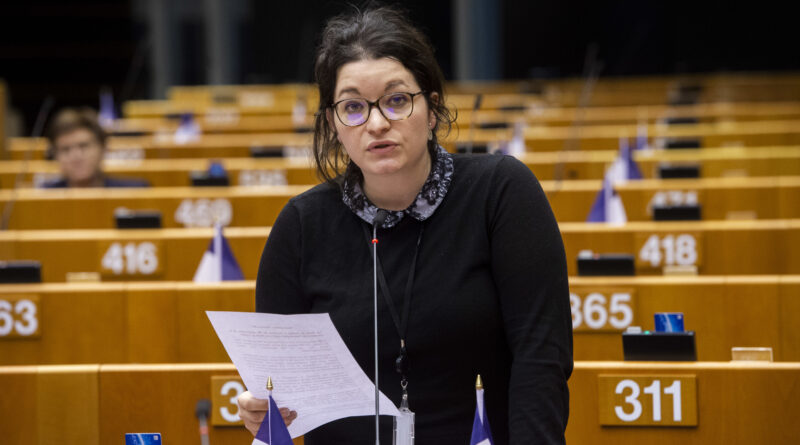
pixel 98 404
pixel 606 137
pixel 179 206
pixel 738 403
pixel 720 198
pixel 714 247
pixel 229 119
pixel 177 172
pixel 152 322
pixel 539 114
pixel 537 139
pixel 724 311
pixel 172 254
pixel 162 322
pixel 570 165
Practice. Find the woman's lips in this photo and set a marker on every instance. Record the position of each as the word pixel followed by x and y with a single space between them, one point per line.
pixel 382 147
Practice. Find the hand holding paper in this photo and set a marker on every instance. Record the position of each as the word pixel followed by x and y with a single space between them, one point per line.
pixel 314 372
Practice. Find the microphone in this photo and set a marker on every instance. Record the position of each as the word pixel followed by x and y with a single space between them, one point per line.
pixel 201 410
pixel 379 219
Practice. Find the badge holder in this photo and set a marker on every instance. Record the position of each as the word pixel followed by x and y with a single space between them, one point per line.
pixel 404 424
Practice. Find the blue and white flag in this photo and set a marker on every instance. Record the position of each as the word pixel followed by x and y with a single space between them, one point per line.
pixel 641 137
pixel 607 206
pixel 481 433
pixel 218 263
pixel 106 115
pixel 624 168
pixel 516 146
pixel 273 430
pixel 188 130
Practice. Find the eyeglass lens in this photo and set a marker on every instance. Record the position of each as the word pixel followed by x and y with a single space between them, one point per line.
pixel 395 106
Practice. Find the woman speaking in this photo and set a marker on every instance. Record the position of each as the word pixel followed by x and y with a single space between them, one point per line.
pixel 472 274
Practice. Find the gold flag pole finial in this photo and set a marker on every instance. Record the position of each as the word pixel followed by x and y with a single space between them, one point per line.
pixel 478 382
pixel 269 383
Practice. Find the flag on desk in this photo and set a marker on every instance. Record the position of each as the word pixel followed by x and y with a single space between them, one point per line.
pixel 641 137
pixel 218 263
pixel 188 130
pixel 607 206
pixel 624 168
pixel 273 430
pixel 106 116
pixel 481 433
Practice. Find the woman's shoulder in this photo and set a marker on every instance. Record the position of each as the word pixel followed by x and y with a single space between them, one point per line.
pixel 319 197
pixel 493 167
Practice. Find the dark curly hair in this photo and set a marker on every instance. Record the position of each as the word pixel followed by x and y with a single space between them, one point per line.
pixel 371 34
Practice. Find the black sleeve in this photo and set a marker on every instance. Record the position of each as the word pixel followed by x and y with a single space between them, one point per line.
pixel 279 287
pixel 530 272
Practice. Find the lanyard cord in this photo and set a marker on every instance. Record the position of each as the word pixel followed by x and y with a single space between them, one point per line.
pixel 401 324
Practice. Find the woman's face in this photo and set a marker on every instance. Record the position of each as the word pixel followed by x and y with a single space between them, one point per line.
pixel 79 154
pixel 382 147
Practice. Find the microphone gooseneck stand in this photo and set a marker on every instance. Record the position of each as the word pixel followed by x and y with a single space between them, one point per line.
pixel 380 217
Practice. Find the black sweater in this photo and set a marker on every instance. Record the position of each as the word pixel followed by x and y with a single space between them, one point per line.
pixel 490 297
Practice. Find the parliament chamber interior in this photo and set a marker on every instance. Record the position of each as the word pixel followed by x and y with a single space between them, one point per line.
pixel 677 198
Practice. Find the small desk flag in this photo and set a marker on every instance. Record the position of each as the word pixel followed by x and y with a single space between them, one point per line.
pixel 481 433
pixel 624 167
pixel 106 116
pixel 607 206
pixel 273 430
pixel 218 263
pixel 188 130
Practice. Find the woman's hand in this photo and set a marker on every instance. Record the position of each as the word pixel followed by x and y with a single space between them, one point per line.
pixel 252 412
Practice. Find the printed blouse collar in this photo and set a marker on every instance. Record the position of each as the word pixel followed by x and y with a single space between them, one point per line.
pixel 426 202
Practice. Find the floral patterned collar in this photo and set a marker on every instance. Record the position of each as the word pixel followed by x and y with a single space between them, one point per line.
pixel 428 199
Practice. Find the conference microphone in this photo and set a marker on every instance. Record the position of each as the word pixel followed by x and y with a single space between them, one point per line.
pixel 202 410
pixel 379 219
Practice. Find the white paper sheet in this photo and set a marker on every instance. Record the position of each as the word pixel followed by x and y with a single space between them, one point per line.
pixel 312 370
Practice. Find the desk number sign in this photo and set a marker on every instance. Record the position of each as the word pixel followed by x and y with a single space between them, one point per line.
pixel 601 309
pixel 19 317
pixel 225 391
pixel 130 259
pixel 658 250
pixel 647 400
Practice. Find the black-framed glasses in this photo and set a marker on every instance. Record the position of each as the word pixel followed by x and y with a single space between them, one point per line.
pixel 355 111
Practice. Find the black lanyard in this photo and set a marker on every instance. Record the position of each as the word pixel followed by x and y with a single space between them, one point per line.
pixel 400 324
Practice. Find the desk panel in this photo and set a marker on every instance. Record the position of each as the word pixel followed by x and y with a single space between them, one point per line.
pixel 723 247
pixel 736 402
pixel 160 322
pixel 571 201
pixel 719 162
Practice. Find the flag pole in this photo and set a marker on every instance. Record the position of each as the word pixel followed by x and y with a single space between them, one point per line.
pixel 269 391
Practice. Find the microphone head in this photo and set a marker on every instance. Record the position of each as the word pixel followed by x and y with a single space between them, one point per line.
pixel 380 217
pixel 202 409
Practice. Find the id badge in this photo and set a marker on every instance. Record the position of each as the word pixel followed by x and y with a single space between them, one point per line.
pixel 404 425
